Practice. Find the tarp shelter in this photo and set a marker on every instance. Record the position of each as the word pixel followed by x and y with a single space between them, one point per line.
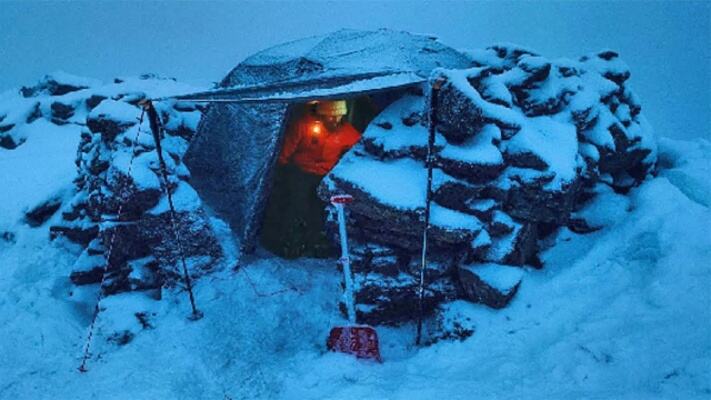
pixel 233 154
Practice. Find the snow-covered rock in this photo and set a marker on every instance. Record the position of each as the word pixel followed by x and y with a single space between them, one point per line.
pixel 57 84
pixel 491 284
pixel 521 142
pixel 118 172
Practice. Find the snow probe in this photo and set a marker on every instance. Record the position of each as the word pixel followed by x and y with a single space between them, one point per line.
pixel 436 85
pixel 359 340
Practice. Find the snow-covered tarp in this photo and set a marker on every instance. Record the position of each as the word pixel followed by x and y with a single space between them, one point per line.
pixel 232 156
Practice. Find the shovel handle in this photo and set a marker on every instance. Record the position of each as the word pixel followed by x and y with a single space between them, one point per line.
pixel 340 201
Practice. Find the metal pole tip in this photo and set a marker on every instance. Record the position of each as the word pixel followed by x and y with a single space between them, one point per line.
pixel 196 315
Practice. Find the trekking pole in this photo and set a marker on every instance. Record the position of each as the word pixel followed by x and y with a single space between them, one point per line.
pixel 436 85
pixel 155 129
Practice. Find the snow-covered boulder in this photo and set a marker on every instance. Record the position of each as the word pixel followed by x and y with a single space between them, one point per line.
pixel 120 206
pixel 491 284
pixel 14 114
pixel 58 84
pixel 110 118
pixel 40 213
pixel 521 141
pixel 387 281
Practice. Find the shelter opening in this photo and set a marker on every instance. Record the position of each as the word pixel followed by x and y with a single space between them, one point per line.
pixel 317 135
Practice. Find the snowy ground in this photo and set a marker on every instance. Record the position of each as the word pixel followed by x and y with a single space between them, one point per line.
pixel 621 313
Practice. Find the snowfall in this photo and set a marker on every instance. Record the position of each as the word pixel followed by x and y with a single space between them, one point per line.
pixel 624 312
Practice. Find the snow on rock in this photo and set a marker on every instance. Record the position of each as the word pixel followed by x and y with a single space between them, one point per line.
pixel 522 142
pixel 517 247
pixel 376 178
pixel 546 145
pixel 119 170
pixel 477 159
pixel 500 277
pixel 618 313
pixel 609 65
pixel 15 112
pixel 491 284
pixel 36 177
pixel 185 199
pixel 112 110
pixel 398 132
pixel 452 322
pixel 38 214
pixel 58 84
pixel 462 112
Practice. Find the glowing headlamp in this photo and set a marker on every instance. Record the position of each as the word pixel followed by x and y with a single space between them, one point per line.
pixel 316 129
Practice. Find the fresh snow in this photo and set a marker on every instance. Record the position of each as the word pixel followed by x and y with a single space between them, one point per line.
pixel 36 170
pixel 400 136
pixel 554 142
pixel 451 219
pixel 503 246
pixel 143 177
pixel 356 86
pixel 687 168
pixel 624 312
pixel 185 198
pixel 481 240
pixel 115 111
pixel 458 78
pixel 342 51
pixel 377 177
pixel 501 277
pixel 479 149
pixel 74 80
pixel 15 109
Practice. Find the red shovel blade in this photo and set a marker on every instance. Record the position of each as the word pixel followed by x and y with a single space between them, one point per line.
pixel 361 341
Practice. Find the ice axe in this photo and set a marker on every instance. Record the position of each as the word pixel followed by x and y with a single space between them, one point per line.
pixel 359 340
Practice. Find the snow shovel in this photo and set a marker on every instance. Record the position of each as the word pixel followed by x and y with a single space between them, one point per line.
pixel 359 340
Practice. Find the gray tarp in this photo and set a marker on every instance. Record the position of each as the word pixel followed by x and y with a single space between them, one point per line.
pixel 232 155
pixel 231 158
pixel 302 90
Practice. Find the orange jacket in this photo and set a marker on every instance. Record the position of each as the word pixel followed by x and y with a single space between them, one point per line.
pixel 315 149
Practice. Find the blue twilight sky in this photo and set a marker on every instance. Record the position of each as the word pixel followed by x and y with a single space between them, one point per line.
pixel 666 43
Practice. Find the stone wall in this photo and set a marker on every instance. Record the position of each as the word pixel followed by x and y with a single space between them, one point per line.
pixel 521 141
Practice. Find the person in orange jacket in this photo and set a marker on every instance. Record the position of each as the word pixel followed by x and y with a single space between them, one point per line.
pixel 313 145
